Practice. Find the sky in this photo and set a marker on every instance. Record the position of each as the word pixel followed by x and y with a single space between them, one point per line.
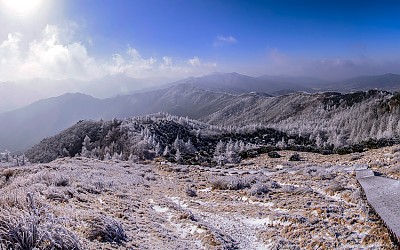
pixel 89 39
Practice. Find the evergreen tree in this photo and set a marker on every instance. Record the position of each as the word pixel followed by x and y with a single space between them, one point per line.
pixel 86 146
pixel 166 152
pixel 178 156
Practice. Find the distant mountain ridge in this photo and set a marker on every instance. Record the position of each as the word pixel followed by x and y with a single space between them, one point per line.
pixel 389 82
pixel 235 83
pixel 22 128
pixel 18 94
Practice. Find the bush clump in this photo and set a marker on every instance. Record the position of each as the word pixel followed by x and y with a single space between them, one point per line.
pixel 258 190
pixel 274 154
pixel 34 228
pixel 61 181
pixel 295 157
pixel 106 229
pixel 191 192
pixel 231 183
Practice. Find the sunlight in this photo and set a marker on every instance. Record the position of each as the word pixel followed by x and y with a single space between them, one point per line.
pixel 21 7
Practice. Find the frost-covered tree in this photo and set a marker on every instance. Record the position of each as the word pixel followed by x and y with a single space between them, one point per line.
pixel 107 153
pixel 143 150
pixel 232 156
pixel 189 147
pixel 86 147
pixel 6 156
pixel 166 152
pixel 117 156
pixel 178 144
pixel 178 156
pixel 219 148
pixel 65 152
pixel 158 149
pixel 220 159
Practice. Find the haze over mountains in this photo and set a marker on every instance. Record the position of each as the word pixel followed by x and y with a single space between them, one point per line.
pixel 17 94
pixel 223 99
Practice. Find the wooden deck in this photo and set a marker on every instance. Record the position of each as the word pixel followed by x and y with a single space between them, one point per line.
pixel 383 194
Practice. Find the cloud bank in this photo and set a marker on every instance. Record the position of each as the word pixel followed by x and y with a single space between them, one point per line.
pixel 56 54
pixel 52 56
pixel 277 62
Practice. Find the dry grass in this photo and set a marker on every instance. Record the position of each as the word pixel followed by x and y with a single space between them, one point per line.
pixel 89 204
pixel 106 229
pixel 231 183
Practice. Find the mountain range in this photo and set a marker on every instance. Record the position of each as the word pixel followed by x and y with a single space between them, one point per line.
pixel 221 99
pixel 18 94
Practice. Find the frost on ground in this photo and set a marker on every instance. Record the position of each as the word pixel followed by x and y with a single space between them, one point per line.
pixel 264 203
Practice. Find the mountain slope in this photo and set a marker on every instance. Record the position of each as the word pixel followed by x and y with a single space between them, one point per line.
pixel 22 128
pixel 332 118
pixel 18 94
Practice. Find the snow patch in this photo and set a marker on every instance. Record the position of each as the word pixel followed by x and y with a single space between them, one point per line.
pixel 263 204
pixel 177 200
pixel 205 190
pixel 257 222
pixel 160 209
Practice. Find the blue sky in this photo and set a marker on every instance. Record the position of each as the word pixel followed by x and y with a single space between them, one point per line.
pixel 175 38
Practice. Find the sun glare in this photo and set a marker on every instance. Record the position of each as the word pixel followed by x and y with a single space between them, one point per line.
pixel 21 7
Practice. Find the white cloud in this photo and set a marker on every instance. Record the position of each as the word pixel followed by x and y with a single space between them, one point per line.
pixel 167 61
pixel 56 55
pixel 195 62
pixel 133 64
pixel 223 40
pixel 9 51
pixel 50 58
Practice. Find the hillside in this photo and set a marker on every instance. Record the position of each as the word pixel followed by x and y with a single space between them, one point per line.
pixel 22 128
pixel 330 118
pixel 27 126
pixel 267 203
pixel 177 139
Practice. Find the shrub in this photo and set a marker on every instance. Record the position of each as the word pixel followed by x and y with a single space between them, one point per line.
pixel 258 190
pixel 191 192
pixel 150 177
pixel 22 230
pixel 275 185
pixel 231 183
pixel 61 181
pixel 106 229
pixel 55 195
pixel 8 173
pixel 334 188
pixel 274 154
pixel 295 157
